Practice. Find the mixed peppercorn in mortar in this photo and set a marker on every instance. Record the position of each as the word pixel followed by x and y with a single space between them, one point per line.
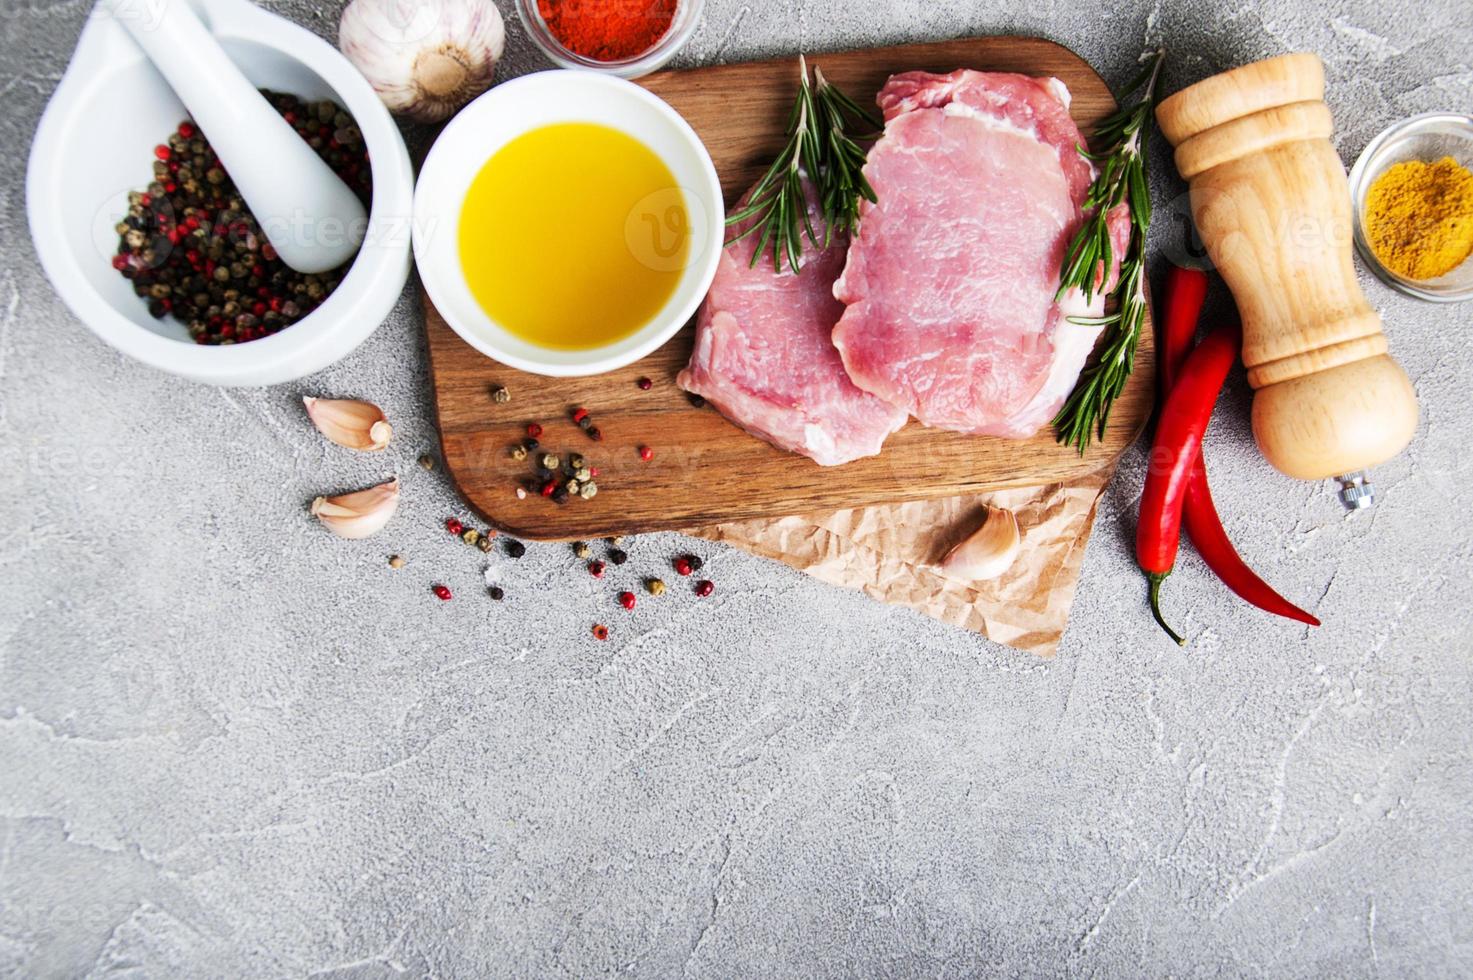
pixel 193 249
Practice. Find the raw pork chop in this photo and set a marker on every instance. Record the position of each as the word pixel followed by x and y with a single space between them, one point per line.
pixel 764 356
pixel 950 281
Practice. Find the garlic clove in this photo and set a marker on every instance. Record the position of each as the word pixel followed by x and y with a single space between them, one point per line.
pixel 424 58
pixel 354 424
pixel 358 514
pixel 988 552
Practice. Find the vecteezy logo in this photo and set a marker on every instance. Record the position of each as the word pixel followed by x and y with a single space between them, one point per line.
pixel 664 230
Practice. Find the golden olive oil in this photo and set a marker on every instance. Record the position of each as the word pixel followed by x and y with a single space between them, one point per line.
pixel 573 236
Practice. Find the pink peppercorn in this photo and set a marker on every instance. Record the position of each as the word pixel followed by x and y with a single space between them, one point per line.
pixel 441 592
pixel 626 599
pixel 705 587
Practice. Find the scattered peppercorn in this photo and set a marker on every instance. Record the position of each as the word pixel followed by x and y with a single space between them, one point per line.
pixel 615 539
pixel 521 494
pixel 515 548
pixel 596 569
pixel 519 453
pixel 618 556
pixel 484 543
pixel 453 526
pixel 646 453
pixel 696 564
pixel 595 434
pixel 500 395
pixel 496 592
pixel 600 631
pixel 470 536
pixel 530 444
pixel 627 600
pixel 683 566
pixel 705 587
pixel 645 384
pixel 588 490
pixel 549 488
pixel 695 399
pixel 560 494
pixel 551 461
pixel 427 462
pixel 577 461
pixel 395 561
pixel 534 430
pixel 441 592
pixel 655 586
pixel 581 549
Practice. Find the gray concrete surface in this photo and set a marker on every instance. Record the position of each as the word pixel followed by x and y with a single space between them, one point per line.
pixel 232 745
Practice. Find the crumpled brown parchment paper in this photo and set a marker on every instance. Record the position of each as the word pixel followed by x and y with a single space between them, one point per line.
pixel 890 552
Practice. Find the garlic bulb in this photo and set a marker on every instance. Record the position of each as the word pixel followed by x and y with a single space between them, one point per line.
pixel 359 514
pixel 356 425
pixel 988 552
pixel 424 58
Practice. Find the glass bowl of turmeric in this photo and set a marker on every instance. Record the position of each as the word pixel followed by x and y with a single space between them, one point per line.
pixel 1412 192
pixel 629 38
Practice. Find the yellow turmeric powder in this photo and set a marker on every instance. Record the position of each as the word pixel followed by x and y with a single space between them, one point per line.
pixel 1419 217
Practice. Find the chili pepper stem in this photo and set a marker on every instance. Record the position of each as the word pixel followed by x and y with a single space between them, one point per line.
pixel 1156 578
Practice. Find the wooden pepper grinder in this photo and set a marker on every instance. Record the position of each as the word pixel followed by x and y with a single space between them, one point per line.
pixel 1271 202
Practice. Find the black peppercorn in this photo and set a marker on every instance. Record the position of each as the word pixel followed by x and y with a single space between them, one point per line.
pixel 618 556
pixel 170 239
pixel 515 548
pixel 496 593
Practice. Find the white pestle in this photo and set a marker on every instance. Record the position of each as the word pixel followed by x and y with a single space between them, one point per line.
pixel 310 216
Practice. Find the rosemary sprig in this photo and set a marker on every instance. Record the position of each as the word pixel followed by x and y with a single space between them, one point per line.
pixel 822 144
pixel 1122 176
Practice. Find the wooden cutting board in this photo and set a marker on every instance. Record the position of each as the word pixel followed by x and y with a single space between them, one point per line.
pixel 705 470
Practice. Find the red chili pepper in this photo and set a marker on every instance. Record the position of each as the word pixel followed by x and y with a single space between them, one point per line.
pixel 1183 296
pixel 1175 450
pixel 1181 301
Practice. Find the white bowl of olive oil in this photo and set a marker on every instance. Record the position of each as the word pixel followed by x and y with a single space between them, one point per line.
pixel 567 223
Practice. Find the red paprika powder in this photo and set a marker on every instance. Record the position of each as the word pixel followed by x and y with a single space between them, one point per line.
pixel 607 30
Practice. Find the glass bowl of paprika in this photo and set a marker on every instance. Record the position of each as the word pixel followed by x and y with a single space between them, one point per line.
pixel 1412 198
pixel 627 39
